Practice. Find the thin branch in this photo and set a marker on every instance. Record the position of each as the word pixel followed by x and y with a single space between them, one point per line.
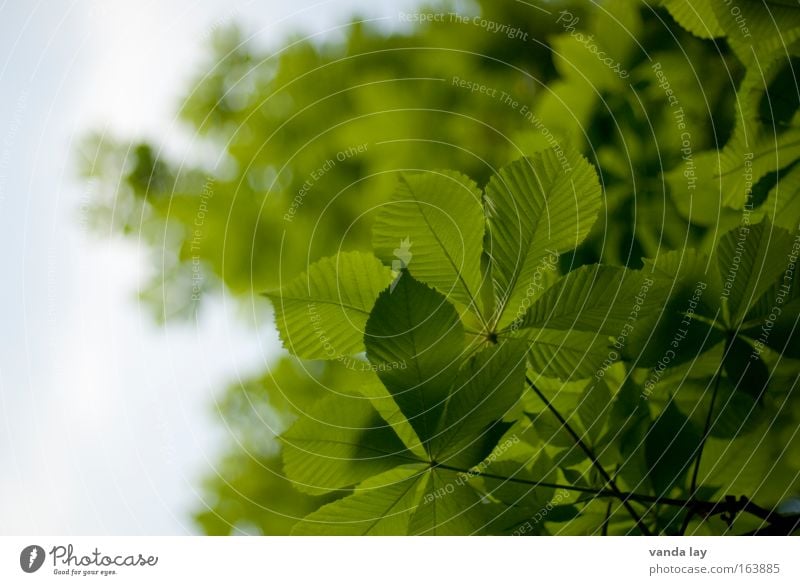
pixel 730 506
pixel 590 454
pixel 606 520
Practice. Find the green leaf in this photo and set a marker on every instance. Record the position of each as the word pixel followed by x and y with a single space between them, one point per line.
pixel 727 177
pixel 382 505
pixel 592 63
pixel 415 340
pixel 449 507
pixel 746 371
pixel 587 523
pixel 673 337
pixel 781 99
pixel 550 430
pixel 684 327
pixel 750 259
pixel 782 334
pixel 782 206
pixel 616 29
pixel 735 413
pixel 757 32
pixel 595 408
pixel 519 490
pixel 696 16
pixel 340 442
pixel 440 215
pixel 685 270
pixel 628 428
pixel 321 314
pixel 760 144
pixel 783 294
pixel 671 445
pixel 487 387
pixel 772 322
pixel 599 299
pixel 537 208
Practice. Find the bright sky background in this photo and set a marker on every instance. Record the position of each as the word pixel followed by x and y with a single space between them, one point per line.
pixel 106 419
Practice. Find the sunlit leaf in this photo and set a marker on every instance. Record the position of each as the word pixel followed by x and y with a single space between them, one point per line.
pixel 383 505
pixel 537 208
pixel 321 314
pixel 439 217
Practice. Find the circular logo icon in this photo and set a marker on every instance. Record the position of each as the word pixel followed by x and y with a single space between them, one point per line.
pixel 31 558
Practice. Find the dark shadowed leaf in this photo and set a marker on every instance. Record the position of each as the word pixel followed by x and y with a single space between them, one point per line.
pixel 415 341
pixel 671 445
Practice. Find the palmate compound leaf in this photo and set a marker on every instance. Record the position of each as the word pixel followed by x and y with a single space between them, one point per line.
pixel 414 325
pixel 537 207
pixel 415 340
pixel 321 314
pixel 440 217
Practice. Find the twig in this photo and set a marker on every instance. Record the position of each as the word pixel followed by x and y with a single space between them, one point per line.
pixel 595 463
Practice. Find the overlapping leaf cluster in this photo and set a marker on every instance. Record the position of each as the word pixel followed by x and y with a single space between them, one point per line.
pixel 447 434
pixel 705 337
